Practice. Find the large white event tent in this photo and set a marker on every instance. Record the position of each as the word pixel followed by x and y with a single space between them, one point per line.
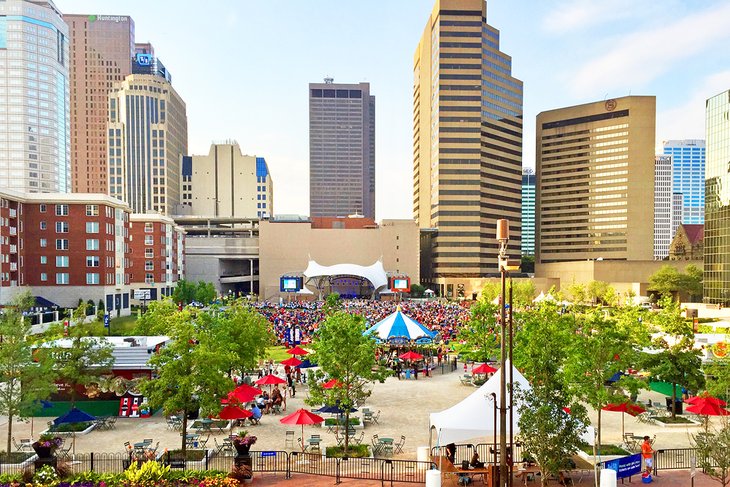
pixel 474 416
pixel 399 325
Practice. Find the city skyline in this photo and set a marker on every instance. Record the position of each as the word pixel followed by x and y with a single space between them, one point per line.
pixel 273 50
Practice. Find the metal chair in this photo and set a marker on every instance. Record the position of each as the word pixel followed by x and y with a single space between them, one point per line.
pixel 399 445
pixel 289 439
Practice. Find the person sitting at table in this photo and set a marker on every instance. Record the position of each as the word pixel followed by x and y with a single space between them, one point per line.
pixel 276 398
pixel 256 412
pixel 475 461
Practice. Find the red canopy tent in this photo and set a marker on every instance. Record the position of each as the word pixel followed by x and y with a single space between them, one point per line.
pixel 705 398
pixel 302 416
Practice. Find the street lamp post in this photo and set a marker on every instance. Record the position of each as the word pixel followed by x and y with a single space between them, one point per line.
pixel 503 238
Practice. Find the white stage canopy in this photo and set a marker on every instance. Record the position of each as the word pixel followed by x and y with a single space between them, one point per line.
pixel 374 273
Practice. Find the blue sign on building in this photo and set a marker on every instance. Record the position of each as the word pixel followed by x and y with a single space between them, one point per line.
pixel 625 466
pixel 144 59
pixel 106 321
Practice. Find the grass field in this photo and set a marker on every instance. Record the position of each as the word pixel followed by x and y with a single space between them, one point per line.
pixel 124 325
pixel 277 354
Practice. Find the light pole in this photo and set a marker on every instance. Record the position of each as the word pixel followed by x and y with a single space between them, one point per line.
pixel 505 351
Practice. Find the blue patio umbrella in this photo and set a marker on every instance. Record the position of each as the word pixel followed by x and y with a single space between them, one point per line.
pixel 306 363
pixel 75 415
pixel 334 410
pixel 398 325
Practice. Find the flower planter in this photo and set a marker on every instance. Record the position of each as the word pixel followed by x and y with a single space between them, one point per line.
pixel 44 451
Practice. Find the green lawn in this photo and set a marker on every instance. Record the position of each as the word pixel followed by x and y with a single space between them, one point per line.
pixel 277 354
pixel 124 325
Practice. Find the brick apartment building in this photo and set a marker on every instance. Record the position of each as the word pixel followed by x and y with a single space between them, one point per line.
pixel 157 261
pixel 65 247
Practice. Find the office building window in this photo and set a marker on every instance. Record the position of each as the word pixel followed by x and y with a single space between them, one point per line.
pixel 92 227
pixel 43 225
pixel 62 261
pixel 42 208
pixel 61 227
pixel 148 240
pixel 62 278
pixel 44 276
pixel 92 278
pixel 44 242
pixel 149 253
pixel 92 261
pixel 61 210
pixel 44 259
pixel 92 244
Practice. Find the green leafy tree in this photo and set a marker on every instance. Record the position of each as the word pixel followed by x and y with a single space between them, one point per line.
pixel 343 352
pixel 717 374
pixel 601 347
pixel 527 264
pixel 417 290
pixel 578 293
pixel 691 281
pixel 479 338
pixel 157 318
pixel 665 281
pixel 26 376
pixel 523 292
pixel 184 292
pixel 190 370
pixel 241 332
pixel 332 304
pixel 676 360
pixel 205 292
pixel 87 358
pixel 601 292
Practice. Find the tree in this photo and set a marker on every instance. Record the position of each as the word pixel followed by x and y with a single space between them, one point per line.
pixel 601 292
pixel 523 292
pixel 717 374
pixel 676 360
pixel 190 370
pixel 479 338
pixel 527 264
pixel 691 281
pixel 417 290
pixel 332 304
pixel 601 349
pixel 205 292
pixel 184 292
pixel 713 452
pixel 87 358
pixel 240 332
pixel 26 376
pixel 157 318
pixel 344 353
pixel 578 293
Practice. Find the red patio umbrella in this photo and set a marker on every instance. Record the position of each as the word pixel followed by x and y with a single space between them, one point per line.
pixel 705 398
pixel 244 393
pixel 302 416
pixel 624 407
pixel 331 384
pixel 297 351
pixel 708 409
pixel 291 362
pixel 270 379
pixel 410 355
pixel 483 369
pixel 234 412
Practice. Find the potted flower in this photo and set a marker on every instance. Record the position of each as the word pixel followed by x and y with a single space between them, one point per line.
pixel 46 445
pixel 242 442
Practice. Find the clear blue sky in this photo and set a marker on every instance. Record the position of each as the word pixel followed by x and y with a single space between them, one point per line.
pixel 243 66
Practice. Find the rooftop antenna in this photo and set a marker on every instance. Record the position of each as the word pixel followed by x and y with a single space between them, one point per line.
pixel 329 80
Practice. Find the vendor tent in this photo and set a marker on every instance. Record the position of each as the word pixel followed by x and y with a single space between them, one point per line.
pixel 474 416
pixel 399 325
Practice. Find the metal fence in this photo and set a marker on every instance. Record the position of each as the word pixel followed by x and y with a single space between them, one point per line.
pixel 487 452
pixel 288 463
pixel 677 459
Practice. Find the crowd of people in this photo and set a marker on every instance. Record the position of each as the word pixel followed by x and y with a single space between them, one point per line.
pixel 436 316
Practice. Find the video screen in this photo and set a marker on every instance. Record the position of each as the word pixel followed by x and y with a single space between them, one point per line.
pixel 400 284
pixel 290 284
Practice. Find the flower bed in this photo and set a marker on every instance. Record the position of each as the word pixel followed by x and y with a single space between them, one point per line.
pixel 88 428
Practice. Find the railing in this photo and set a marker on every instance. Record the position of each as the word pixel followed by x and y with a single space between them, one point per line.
pixel 675 459
pixel 385 470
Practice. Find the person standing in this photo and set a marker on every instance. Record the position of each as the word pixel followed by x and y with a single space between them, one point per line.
pixel 647 453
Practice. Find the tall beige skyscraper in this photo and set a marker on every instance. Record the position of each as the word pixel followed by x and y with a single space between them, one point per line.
pixel 467 141
pixel 148 132
pixel 595 181
pixel 102 47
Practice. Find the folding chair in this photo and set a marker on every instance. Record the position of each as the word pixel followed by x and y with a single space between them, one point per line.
pixel 289 439
pixel 399 445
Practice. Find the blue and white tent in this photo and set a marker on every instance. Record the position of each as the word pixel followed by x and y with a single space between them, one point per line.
pixel 398 326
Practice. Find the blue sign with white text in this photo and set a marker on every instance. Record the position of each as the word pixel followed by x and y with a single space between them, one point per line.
pixel 106 321
pixel 625 466
pixel 144 59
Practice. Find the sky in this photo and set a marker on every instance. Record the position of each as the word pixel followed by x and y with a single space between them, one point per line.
pixel 243 68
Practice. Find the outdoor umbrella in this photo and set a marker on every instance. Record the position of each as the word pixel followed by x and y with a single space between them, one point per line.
pixel 410 355
pixel 705 398
pixel 302 416
pixel 292 362
pixel 483 369
pixel 234 412
pixel 624 407
pixel 707 407
pixel 334 410
pixel 75 415
pixel 270 379
pixel 307 364
pixel 244 393
pixel 297 351
pixel 331 384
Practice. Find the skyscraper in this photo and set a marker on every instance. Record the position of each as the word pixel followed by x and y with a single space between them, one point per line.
pixel 148 132
pixel 341 149
pixel 664 209
pixel 34 97
pixel 688 176
pixel 595 180
pixel 717 200
pixel 101 55
pixel 227 183
pixel 467 141
pixel 528 212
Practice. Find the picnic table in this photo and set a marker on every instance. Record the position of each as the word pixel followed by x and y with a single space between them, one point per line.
pixel 313 443
pixel 386 445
